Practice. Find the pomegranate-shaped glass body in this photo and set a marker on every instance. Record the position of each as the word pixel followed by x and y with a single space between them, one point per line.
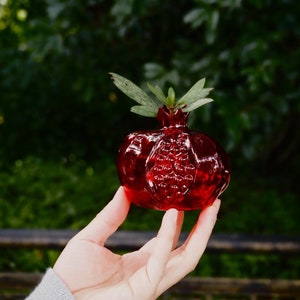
pixel 172 167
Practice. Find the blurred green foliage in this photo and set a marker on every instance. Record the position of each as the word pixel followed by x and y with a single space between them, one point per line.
pixel 34 191
pixel 62 120
pixel 57 98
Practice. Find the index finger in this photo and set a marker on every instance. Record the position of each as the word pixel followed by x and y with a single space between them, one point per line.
pixel 107 220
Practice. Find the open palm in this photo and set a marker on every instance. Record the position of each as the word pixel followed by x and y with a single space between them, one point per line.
pixel 91 271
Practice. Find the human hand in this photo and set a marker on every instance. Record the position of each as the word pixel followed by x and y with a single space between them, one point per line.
pixel 92 271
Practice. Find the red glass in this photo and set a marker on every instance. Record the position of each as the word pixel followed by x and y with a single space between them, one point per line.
pixel 173 167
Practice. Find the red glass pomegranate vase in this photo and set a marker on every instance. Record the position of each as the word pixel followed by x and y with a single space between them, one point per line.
pixel 172 167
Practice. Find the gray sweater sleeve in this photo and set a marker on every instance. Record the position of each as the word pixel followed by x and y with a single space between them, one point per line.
pixel 51 288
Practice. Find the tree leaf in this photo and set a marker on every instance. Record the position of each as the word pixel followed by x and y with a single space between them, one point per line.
pixel 133 91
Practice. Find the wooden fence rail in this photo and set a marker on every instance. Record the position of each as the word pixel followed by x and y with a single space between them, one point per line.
pixel 131 240
pixel 14 285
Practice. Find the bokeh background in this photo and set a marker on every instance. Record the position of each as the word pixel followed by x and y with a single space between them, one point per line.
pixel 62 119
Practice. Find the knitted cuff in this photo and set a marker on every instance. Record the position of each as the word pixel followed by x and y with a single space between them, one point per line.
pixel 51 287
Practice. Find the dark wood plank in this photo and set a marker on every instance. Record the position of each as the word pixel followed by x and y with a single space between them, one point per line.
pixel 187 287
pixel 239 243
pixel 208 285
pixel 19 280
pixel 132 240
pixel 35 238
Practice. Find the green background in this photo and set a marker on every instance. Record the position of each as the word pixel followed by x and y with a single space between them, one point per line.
pixel 62 119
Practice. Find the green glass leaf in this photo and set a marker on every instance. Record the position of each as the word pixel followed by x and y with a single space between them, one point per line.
pixel 133 91
pixel 144 111
pixel 157 91
pixel 196 104
pixel 171 94
pixel 195 93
